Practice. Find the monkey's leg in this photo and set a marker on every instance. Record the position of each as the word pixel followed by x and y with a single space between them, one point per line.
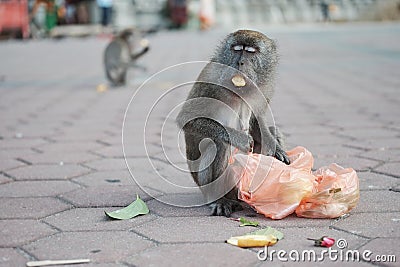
pixel 209 173
pixel 208 128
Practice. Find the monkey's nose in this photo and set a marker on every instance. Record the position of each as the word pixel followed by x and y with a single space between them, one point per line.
pixel 241 63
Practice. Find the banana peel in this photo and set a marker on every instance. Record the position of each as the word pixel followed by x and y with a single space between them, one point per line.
pixel 249 241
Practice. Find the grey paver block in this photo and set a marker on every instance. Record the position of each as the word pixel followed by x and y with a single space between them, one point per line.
pixel 106 178
pixel 375 181
pixel 16 208
pixel 378 201
pixel 10 257
pixel 107 164
pixel 385 224
pixel 59 156
pixel 16 153
pixel 383 155
pixel 70 146
pixel 320 151
pixel 6 164
pixel 166 210
pixel 375 144
pixel 358 164
pixel 105 196
pixel 391 168
pixel 195 255
pixel 21 143
pixel 19 232
pixel 93 219
pixel 36 188
pixel 4 179
pixel 383 247
pixel 191 229
pixel 362 133
pixel 49 172
pixel 97 246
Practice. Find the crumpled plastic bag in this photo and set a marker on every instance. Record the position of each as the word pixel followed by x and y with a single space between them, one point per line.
pixel 277 190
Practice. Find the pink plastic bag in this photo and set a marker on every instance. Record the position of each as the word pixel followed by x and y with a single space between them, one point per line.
pixel 276 190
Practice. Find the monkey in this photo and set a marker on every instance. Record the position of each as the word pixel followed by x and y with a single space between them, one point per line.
pixel 254 56
pixel 119 55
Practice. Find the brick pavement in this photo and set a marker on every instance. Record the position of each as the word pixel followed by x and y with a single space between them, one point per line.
pixel 61 160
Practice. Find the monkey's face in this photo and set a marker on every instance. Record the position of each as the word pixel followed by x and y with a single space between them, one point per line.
pixel 251 52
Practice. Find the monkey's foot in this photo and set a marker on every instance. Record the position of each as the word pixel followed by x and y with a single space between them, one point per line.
pixel 225 207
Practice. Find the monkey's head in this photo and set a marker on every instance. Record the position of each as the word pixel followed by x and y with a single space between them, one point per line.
pixel 251 52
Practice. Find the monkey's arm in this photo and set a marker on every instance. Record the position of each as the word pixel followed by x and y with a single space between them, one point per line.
pixel 139 54
pixel 208 128
pixel 267 142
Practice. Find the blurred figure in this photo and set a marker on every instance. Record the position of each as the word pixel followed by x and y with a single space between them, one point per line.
pixel 51 12
pixel 206 14
pixel 325 11
pixel 106 11
pixel 178 12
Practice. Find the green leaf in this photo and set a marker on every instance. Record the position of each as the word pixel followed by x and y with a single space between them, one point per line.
pixel 268 231
pixel 245 222
pixel 137 207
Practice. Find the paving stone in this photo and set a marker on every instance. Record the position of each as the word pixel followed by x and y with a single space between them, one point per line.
pixel 121 177
pixel 6 164
pixel 107 164
pixel 378 201
pixel 48 172
pixel 363 133
pixel 98 246
pixel 4 179
pixel 70 147
pixel 375 144
pixel 357 164
pixel 93 219
pixel 383 247
pixel 59 156
pixel 166 210
pixel 21 143
pixel 16 153
pixel 176 229
pixel 382 155
pixel 375 181
pixel 194 255
pixel 10 257
pixel 19 232
pixel 18 208
pixel 389 168
pixel 320 139
pixel 36 188
pixel 385 224
pixel 105 196
pixel 321 151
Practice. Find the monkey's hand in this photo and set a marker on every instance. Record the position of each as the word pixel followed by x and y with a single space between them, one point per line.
pixel 281 155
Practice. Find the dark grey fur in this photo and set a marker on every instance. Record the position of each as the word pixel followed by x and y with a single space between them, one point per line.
pixel 202 119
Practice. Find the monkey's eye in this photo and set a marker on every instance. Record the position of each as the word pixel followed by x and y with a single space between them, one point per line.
pixel 250 49
pixel 238 47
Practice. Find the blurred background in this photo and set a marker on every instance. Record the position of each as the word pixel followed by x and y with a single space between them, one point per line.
pixel 55 18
